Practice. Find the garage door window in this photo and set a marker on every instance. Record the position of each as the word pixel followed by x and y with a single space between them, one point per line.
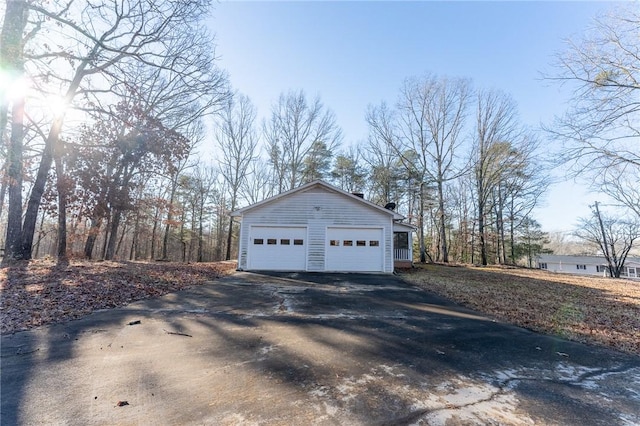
pixel 374 243
pixel 334 243
pixel 347 243
pixel 361 243
pixel 283 241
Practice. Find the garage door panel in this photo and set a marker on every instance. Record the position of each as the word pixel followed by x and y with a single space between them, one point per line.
pixel 355 249
pixel 277 248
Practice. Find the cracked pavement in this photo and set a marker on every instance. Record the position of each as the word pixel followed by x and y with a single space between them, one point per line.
pixel 294 348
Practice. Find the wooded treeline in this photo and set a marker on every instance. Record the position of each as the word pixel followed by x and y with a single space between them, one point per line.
pixel 130 144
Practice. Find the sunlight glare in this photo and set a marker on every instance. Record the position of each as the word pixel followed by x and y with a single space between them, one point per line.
pixel 57 104
pixel 12 88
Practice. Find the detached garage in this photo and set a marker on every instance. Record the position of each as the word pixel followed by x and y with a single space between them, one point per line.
pixel 318 227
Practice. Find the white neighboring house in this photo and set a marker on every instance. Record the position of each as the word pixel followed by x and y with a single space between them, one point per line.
pixel 587 265
pixel 319 227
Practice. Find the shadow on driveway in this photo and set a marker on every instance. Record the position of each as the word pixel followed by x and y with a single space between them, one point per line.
pixel 301 348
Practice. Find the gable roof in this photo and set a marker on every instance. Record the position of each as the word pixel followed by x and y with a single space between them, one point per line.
pixel 312 185
pixel 404 227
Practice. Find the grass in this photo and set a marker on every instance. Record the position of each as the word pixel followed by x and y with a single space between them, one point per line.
pixel 600 311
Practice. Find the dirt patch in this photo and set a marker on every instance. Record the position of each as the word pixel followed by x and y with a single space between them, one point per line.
pixel 600 311
pixel 40 292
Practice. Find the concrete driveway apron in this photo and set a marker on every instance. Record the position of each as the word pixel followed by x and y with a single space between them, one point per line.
pixel 325 349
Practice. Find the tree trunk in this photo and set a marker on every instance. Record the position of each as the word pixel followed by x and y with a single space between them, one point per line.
pixel 154 232
pixel 200 230
pixel 11 57
pixel 33 205
pixel 14 249
pixel 512 237
pixel 473 243
pixel 501 239
pixel 62 210
pixel 165 238
pixel 122 235
pixel 113 235
pixel 230 229
pixel 4 184
pixel 40 236
pixel 442 219
pixel 134 241
pixel 106 236
pixel 167 228
pixel 91 238
pixel 481 235
pixel 182 241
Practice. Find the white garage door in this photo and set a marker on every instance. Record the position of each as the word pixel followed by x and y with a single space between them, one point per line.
pixel 277 248
pixel 355 250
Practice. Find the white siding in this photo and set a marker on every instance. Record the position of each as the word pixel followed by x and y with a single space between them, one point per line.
pixel 317 209
pixel 569 264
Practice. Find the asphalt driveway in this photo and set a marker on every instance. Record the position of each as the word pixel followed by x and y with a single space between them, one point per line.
pixel 327 349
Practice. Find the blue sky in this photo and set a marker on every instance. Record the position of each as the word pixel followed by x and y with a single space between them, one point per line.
pixel 353 54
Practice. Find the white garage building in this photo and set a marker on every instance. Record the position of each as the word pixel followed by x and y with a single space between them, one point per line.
pixel 318 227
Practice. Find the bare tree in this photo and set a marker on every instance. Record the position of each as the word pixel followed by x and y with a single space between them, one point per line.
pixel 259 182
pixel 601 129
pixel 524 187
pixel 496 128
pixel 237 139
pixel 614 236
pixel 432 112
pixel 380 153
pixel 393 172
pixel 295 126
pixel 622 183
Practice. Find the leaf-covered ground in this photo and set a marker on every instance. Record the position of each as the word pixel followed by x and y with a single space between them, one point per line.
pixel 594 310
pixel 41 292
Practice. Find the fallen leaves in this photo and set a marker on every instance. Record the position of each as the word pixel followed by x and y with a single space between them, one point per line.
pixel 40 292
pixel 595 310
